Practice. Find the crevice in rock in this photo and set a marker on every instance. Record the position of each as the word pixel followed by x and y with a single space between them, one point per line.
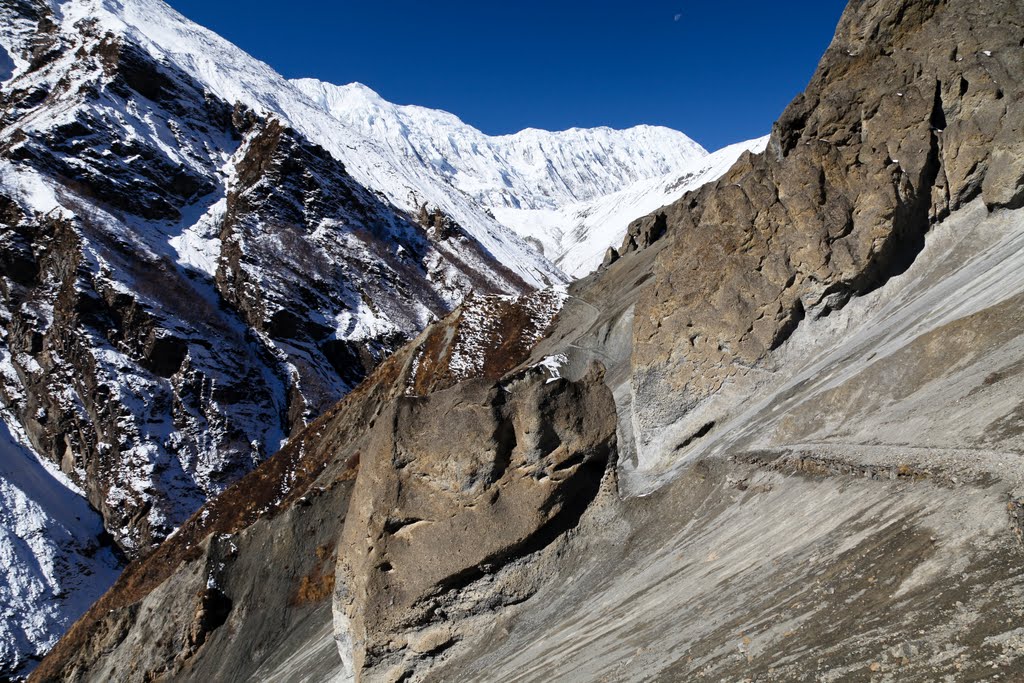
pixel 392 526
pixel 795 316
pixel 212 613
pixel 570 462
pixel 699 434
pixel 938 117
pixel 506 442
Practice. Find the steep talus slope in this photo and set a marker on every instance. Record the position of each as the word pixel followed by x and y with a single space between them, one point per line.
pixel 813 370
pixel 856 517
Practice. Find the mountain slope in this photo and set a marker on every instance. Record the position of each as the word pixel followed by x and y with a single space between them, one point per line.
pixel 570 193
pixel 199 257
pixel 57 560
pixel 235 77
pixel 749 488
pixel 185 282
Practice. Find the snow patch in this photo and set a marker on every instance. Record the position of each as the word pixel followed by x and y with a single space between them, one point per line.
pixel 198 246
pixel 554 365
pixel 53 564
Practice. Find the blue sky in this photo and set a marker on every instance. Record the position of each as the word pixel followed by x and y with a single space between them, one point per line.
pixel 718 71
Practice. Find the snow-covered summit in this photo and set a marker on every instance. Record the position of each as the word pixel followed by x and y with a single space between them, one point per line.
pixel 570 193
pixel 531 169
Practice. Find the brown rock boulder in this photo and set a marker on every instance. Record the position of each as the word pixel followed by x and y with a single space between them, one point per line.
pixel 456 485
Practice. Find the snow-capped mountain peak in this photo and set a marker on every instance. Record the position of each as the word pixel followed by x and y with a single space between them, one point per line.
pixel 531 169
pixel 570 193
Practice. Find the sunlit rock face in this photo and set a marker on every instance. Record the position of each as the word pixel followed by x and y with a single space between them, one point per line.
pixel 910 115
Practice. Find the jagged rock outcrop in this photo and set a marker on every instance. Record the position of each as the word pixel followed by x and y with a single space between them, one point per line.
pixel 915 110
pixel 454 486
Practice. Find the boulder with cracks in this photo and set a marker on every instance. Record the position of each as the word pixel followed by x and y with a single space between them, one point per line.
pixel 454 487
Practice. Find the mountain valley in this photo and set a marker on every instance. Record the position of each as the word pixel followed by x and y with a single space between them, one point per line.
pixel 327 388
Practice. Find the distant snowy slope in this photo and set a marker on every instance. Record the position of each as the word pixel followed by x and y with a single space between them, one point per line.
pixel 570 193
pixel 532 169
pixel 577 235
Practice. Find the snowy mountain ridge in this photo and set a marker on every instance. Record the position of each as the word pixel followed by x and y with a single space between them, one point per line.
pixel 570 193
pixel 577 235
pixel 415 156
pixel 531 169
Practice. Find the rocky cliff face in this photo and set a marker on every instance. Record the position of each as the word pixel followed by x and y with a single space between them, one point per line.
pixel 913 112
pixel 810 367
pixel 455 488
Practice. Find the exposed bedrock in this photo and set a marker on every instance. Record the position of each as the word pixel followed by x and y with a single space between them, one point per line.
pixel 455 487
pixel 915 109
